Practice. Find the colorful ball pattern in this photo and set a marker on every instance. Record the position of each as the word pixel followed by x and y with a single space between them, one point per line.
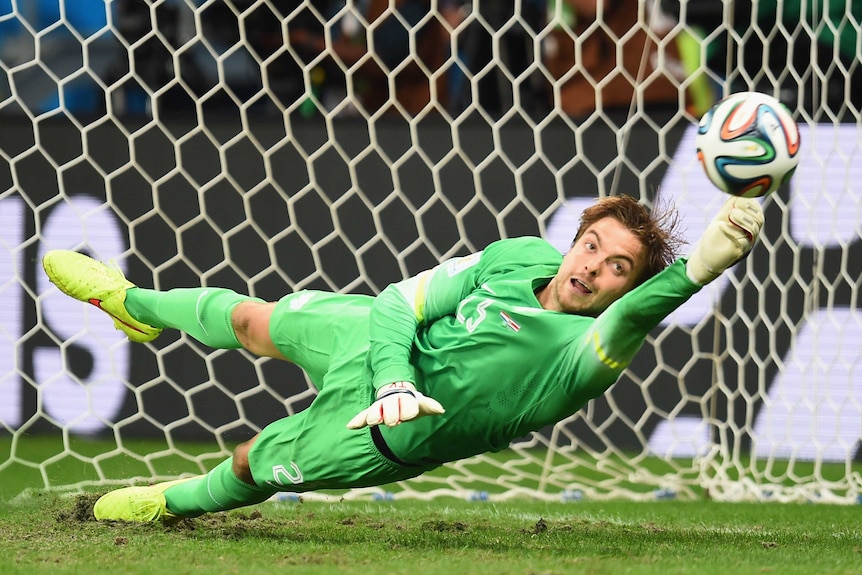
pixel 748 144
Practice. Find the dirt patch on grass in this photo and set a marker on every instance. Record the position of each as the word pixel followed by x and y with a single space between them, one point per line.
pixel 81 509
pixel 540 527
pixel 441 526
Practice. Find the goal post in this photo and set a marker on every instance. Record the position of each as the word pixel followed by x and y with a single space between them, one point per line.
pixel 223 143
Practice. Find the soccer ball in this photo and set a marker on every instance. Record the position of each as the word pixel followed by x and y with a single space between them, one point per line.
pixel 748 144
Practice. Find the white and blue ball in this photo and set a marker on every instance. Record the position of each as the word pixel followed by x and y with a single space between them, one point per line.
pixel 748 144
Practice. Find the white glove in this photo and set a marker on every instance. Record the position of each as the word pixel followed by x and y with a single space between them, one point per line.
pixel 395 403
pixel 726 240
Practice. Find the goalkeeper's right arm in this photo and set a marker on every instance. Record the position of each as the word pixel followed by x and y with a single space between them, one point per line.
pixel 395 316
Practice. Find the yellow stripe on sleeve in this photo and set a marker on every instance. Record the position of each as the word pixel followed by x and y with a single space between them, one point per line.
pixel 604 357
pixel 413 291
pixel 419 296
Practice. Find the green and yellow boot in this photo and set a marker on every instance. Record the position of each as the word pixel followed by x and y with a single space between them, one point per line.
pixel 98 284
pixel 142 504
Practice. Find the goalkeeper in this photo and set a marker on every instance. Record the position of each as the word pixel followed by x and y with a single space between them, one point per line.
pixel 458 360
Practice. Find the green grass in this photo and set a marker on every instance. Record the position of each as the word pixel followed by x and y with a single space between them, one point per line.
pixel 49 533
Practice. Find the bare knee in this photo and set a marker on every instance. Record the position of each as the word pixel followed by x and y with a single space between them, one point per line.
pixel 250 321
pixel 240 466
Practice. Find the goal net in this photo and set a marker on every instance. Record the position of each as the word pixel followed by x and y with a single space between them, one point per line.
pixel 270 146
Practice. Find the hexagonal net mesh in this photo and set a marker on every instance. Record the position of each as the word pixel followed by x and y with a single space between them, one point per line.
pixel 269 146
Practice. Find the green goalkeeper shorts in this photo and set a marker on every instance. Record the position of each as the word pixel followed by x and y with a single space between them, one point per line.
pixel 325 334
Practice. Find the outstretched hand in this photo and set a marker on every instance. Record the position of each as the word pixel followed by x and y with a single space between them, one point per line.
pixel 395 403
pixel 726 240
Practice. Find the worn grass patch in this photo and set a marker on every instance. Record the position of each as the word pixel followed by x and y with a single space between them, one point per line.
pixel 45 532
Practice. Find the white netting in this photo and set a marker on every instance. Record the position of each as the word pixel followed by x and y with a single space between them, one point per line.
pixel 269 146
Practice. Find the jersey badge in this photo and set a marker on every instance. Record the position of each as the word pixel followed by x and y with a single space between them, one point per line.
pixel 509 322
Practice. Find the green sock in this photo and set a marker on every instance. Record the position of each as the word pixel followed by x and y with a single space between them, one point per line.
pixel 203 313
pixel 218 490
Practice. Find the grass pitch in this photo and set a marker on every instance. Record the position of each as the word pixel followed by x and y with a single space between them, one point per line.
pixel 51 533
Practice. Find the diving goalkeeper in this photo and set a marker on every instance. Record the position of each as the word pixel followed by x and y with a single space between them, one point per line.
pixel 455 361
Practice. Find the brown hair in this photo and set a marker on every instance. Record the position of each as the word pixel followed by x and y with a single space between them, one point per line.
pixel 657 230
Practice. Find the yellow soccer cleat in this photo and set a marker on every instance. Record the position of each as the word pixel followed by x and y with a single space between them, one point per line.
pixel 93 282
pixel 143 504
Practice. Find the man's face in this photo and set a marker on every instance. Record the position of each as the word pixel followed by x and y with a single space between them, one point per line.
pixel 602 265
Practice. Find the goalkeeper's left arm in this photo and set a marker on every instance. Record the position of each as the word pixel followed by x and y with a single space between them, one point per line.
pixel 620 331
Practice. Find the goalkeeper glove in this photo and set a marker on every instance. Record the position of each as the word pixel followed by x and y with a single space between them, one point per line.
pixel 395 403
pixel 726 240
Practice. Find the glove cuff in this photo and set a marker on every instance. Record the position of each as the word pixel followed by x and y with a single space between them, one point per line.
pixel 396 387
pixel 697 270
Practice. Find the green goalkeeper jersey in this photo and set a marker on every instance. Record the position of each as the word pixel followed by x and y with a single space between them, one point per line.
pixel 471 334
